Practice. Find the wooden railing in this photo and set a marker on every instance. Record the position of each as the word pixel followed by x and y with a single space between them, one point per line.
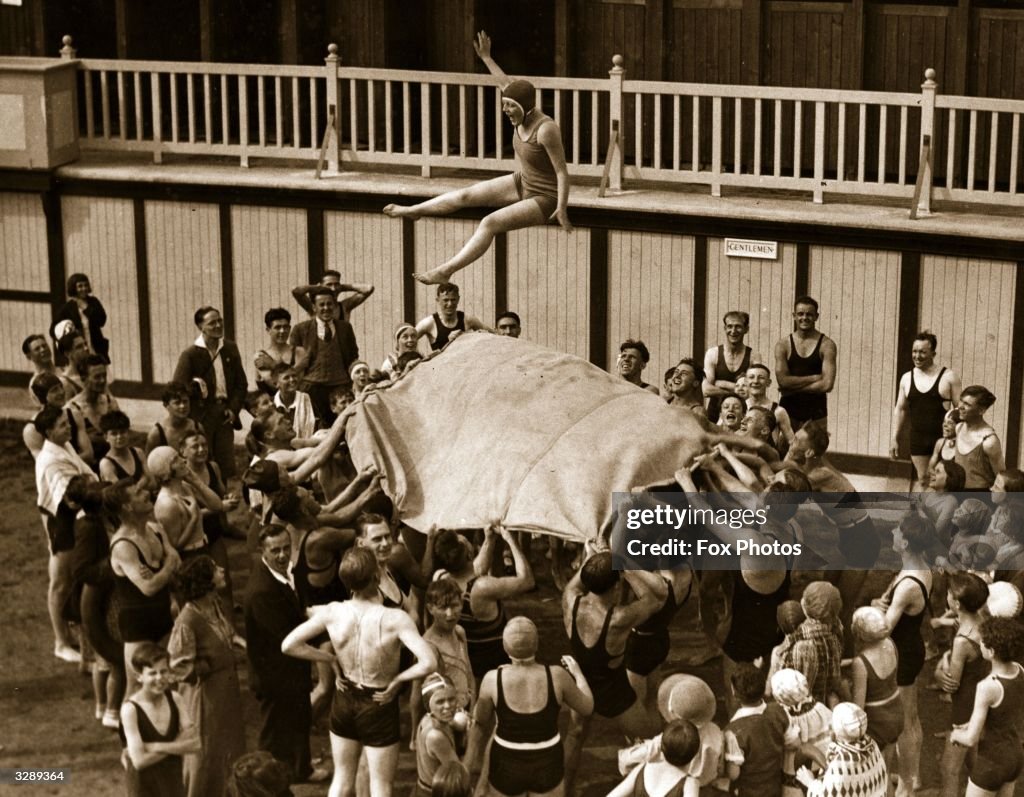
pixel 815 140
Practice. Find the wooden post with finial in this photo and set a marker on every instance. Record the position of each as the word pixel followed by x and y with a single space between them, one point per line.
pixel 68 52
pixel 922 203
pixel 332 138
pixel 616 76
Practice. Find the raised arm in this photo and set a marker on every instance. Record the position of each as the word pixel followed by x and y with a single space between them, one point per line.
pixel 482 45
pixel 325 448
pixel 494 588
pixel 360 291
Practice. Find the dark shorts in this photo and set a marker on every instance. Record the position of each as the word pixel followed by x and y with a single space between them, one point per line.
pixel 992 766
pixel 911 661
pixel 859 544
pixel 613 693
pixel 60 530
pixel 521 771
pixel 545 202
pixel 355 715
pixel 922 441
pixel 646 652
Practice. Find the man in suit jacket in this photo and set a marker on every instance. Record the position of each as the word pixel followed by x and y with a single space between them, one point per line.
pixel 212 367
pixel 281 683
pixel 325 349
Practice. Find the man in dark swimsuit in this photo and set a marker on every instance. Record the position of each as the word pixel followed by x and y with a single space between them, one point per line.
pixel 727 362
pixel 593 609
pixel 926 408
pixel 449 321
pixel 805 367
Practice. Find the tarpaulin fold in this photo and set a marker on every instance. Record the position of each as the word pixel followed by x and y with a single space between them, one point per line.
pixel 496 429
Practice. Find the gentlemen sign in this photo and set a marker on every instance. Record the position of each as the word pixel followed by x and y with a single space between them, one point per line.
pixel 740 247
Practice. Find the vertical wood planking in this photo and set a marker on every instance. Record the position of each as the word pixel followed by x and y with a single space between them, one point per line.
pixel 99 241
pixel 968 304
pixel 23 258
pixel 650 296
pixel 183 252
pixel 435 242
pixel 763 288
pixel 17 321
pixel 549 286
pixel 268 247
pixel 858 292
pixel 367 247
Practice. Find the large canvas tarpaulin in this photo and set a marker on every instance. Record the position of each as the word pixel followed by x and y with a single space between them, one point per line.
pixel 498 429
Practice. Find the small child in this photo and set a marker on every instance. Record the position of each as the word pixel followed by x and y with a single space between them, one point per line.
pixel 435 733
pixel 994 727
pixel 293 402
pixel 818 647
pixel 809 722
pixel 123 460
pixel 789 616
pixel 153 759
pixel 754 737
pixel 854 767
pixel 668 772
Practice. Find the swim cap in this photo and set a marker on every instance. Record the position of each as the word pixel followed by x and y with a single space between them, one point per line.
pixel 520 638
pixel 159 462
pixel 64 328
pixel 790 687
pixel 522 93
pixel 43 384
pixel 356 364
pixel 432 683
pixel 972 516
pixel 821 601
pixel 869 624
pixel 401 328
pixel 849 722
pixel 763 574
pixel 789 615
pixel 1004 600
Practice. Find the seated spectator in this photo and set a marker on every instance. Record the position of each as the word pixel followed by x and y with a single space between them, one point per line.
pixel 406 340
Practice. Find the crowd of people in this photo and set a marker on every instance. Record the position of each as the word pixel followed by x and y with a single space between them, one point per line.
pixel 352 616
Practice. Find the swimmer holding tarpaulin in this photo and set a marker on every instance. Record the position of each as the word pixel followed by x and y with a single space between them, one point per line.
pixel 539 191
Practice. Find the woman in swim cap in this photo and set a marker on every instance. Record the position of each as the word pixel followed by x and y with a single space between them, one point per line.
pixel 537 192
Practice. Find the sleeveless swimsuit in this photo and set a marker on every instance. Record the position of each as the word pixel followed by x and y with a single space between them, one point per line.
pixel 648 645
pixel 640 790
pixel 141 617
pixel 613 693
pixel 926 412
pixel 311 594
pixel 483 637
pixel 165 777
pixel 526 755
pixel 536 178
pixel 722 372
pixel 883 705
pixel 907 636
pixel 980 476
pixel 121 473
pixel 974 672
pixel 803 407
pixel 998 759
pixel 444 333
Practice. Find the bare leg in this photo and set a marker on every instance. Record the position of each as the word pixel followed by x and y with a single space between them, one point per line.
pixel 57 595
pixel 525 213
pixel 921 468
pixel 952 765
pixel 575 738
pixel 345 753
pixel 382 761
pixel 909 743
pixel 496 192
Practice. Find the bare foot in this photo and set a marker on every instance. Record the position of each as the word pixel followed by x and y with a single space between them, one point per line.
pixel 434 277
pixel 400 212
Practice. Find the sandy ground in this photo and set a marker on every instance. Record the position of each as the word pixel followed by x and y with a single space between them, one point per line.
pixel 46 705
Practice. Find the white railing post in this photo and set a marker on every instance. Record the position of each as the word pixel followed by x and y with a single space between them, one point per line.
pixel 67 52
pixel 928 89
pixel 333 114
pixel 716 146
pixel 425 142
pixel 615 126
pixel 819 152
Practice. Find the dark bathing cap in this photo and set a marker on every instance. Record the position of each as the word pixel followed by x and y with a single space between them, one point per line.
pixel 522 93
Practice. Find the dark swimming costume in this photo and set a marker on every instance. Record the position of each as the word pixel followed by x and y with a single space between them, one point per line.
pixel 803 407
pixel 907 636
pixel 141 617
pixel 536 178
pixel 310 594
pixel 483 637
pixel 527 754
pixel 648 644
pixel 926 412
pixel 613 693
pixel 723 373
pixel 999 759
pixel 444 333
